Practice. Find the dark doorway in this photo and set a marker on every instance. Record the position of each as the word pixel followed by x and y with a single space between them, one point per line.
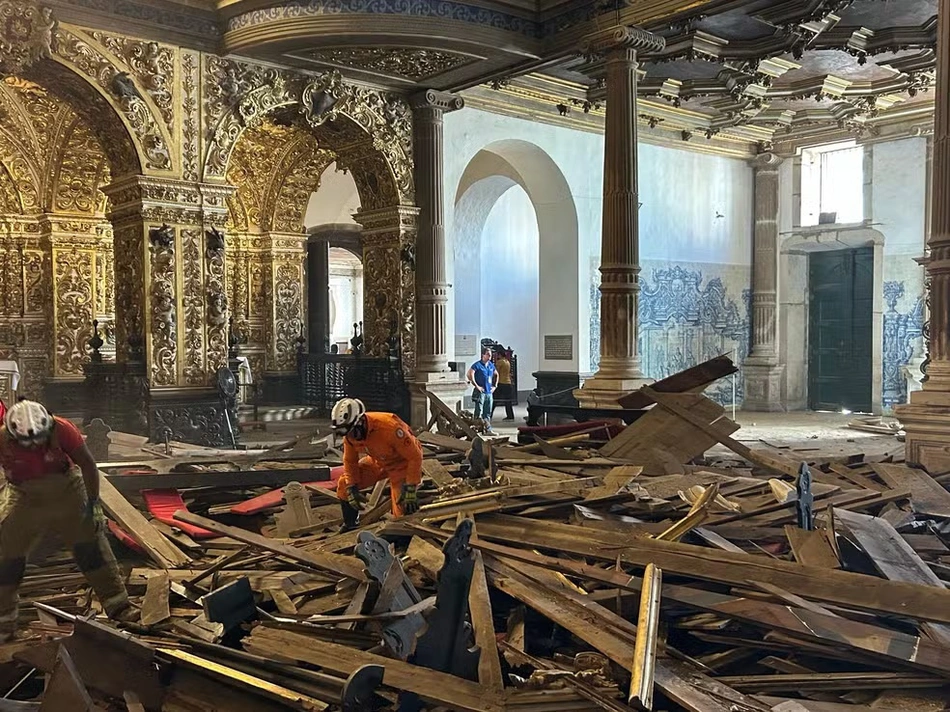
pixel 841 287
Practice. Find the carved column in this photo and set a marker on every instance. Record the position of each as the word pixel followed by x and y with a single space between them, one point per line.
pixel 431 285
pixel 389 296
pixel 619 370
pixel 171 309
pixel 761 370
pixel 76 262
pixel 284 256
pixel 926 418
pixel 318 294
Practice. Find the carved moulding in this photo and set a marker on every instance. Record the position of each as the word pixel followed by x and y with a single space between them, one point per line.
pixel 193 367
pixel 82 54
pixel 283 274
pixel 26 34
pixel 74 307
pixel 404 62
pixel 239 95
pixel 163 316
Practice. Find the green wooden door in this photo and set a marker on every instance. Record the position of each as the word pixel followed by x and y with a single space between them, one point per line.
pixel 839 329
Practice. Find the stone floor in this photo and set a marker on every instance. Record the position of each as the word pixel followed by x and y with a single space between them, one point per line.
pixel 796 434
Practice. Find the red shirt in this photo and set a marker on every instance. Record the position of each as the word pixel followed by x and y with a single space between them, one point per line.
pixel 24 463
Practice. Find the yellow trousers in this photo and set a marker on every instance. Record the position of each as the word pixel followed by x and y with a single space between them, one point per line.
pixel 54 503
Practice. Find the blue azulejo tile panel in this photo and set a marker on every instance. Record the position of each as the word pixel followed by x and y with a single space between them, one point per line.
pixel 902 332
pixel 687 314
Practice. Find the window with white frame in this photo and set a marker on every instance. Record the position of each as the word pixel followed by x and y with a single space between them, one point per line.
pixel 832 188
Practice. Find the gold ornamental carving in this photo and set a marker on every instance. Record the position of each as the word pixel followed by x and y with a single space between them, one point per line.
pixel 74 308
pixel 153 67
pixel 403 62
pixel 26 34
pixel 288 312
pixel 163 314
pixel 192 300
pixel 217 348
pixel 81 54
pixel 190 131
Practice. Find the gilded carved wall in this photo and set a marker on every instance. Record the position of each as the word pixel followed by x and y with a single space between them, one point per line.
pixel 202 150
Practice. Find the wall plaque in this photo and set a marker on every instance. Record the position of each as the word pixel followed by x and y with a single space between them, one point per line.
pixel 466 345
pixel 558 348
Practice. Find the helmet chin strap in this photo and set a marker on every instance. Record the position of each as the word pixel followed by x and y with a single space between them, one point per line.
pixel 358 431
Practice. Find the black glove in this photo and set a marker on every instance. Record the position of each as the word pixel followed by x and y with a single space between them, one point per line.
pixel 355 498
pixel 409 499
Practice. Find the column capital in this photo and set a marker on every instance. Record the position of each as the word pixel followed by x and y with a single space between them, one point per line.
pixel 441 101
pixel 622 37
pixel 766 160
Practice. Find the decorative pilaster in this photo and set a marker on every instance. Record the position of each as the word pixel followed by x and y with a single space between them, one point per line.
pixel 926 418
pixel 389 274
pixel 431 284
pixel 171 308
pixel 619 370
pixel 761 370
pixel 284 257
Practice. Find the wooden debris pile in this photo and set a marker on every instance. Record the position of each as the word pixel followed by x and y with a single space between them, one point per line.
pixel 576 573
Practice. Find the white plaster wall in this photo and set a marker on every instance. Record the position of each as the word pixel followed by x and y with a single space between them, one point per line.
pixel 898 203
pixel 510 281
pixel 683 193
pixel 335 201
pixel 578 155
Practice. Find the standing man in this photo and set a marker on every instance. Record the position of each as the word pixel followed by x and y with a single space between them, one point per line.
pixel 42 458
pixel 391 451
pixel 505 391
pixel 484 377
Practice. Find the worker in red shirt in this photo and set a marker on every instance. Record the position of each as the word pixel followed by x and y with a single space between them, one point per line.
pixel 391 451
pixel 42 457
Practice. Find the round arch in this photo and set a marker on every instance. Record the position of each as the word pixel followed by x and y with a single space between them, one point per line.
pixel 491 173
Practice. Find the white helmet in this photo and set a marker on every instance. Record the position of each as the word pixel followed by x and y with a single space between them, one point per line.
pixel 346 413
pixel 28 422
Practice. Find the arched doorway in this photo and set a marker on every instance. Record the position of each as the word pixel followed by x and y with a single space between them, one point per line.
pixel 278 164
pixel 57 258
pixel 515 244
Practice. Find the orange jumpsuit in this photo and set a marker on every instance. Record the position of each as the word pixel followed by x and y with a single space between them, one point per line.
pixel 391 451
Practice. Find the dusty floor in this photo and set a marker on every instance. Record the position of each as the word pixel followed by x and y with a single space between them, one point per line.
pixel 804 432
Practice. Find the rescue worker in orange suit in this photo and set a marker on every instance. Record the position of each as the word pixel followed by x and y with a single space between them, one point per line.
pixel 391 450
pixel 42 457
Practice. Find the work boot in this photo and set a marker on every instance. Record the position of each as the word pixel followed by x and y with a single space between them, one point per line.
pixel 351 516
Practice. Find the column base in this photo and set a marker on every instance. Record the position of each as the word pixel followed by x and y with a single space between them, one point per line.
pixel 763 386
pixel 598 392
pixel 926 421
pixel 447 385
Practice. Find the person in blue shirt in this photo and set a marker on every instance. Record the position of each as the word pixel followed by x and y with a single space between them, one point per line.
pixel 484 377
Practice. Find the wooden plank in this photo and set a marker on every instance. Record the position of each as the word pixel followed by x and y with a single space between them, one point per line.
pixel 479 605
pixel 894 558
pixel 346 566
pixel 758 457
pixel 614 637
pixel 927 496
pixel 444 442
pixel 158 548
pixel 692 379
pixel 224 478
pixel 811 548
pixel 454 692
pixel 155 606
pixel 839 587
pixel 435 471
pixel 907 650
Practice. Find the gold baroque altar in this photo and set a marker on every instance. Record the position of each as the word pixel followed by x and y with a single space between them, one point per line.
pixel 162 191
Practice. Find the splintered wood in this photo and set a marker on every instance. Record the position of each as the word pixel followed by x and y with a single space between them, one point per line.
pixel 569 572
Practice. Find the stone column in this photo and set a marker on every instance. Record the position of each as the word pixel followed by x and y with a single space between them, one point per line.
pixel 432 371
pixel 431 285
pixel 761 370
pixel 926 418
pixel 619 370
pixel 318 294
